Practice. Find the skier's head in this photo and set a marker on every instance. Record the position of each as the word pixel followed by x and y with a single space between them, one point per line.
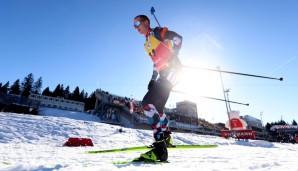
pixel 142 24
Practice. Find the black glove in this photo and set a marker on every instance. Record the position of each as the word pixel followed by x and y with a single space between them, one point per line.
pixel 151 83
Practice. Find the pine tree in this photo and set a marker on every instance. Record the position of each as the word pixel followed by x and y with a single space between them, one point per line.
pixel 56 91
pixel 4 88
pixel 46 92
pixel 268 126
pixel 26 85
pixel 66 93
pixel 15 88
pixel 76 94
pixel 61 91
pixel 82 95
pixel 294 122
pixel 37 86
pixel 90 102
pixel 282 122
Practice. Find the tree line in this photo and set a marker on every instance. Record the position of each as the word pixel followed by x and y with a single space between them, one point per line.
pixel 28 86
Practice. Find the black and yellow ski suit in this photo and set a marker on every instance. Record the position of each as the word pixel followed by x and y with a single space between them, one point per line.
pixel 163 46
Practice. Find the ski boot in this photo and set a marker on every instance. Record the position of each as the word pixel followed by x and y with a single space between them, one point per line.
pixel 168 139
pixel 158 153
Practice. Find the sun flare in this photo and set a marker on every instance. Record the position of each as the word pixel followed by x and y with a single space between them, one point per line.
pixel 196 83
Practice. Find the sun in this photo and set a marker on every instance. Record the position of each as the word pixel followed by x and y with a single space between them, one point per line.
pixel 198 83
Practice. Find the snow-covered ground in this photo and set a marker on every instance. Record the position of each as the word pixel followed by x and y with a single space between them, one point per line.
pixel 35 143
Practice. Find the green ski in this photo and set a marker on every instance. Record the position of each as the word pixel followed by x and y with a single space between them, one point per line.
pixel 142 148
pixel 140 162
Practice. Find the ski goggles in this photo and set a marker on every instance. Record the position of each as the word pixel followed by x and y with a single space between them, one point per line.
pixel 137 23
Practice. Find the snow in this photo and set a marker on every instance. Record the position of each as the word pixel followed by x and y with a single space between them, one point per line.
pixel 35 143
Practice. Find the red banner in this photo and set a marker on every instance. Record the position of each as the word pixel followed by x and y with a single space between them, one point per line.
pixel 239 134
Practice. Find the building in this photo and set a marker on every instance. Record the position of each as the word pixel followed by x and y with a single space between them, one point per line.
pixel 17 104
pixel 253 123
pixel 58 103
pixel 187 108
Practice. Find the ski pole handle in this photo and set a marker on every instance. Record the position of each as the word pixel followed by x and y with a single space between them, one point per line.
pixel 152 12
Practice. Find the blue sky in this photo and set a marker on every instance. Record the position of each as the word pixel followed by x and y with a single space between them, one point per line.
pixel 92 44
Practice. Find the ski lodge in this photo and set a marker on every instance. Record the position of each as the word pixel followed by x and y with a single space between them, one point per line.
pixel 58 103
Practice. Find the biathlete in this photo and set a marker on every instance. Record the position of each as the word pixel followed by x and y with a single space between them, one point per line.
pixel 162 45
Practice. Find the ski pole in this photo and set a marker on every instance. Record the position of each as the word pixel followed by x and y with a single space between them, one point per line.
pixel 247 104
pixel 229 72
pixel 152 12
pixel 228 109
